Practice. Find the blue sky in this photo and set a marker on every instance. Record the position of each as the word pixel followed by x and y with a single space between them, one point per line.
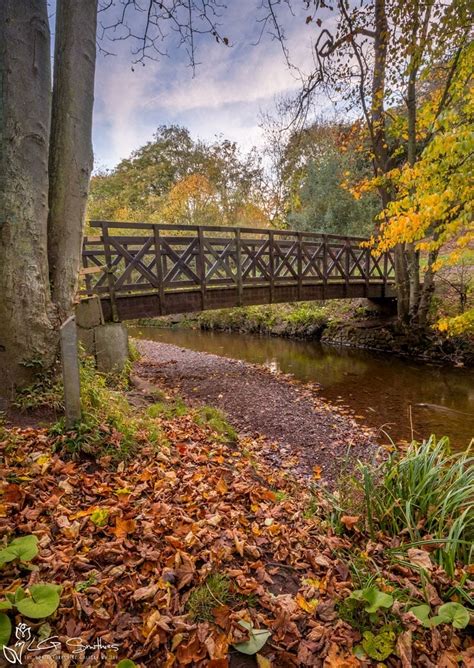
pixel 226 94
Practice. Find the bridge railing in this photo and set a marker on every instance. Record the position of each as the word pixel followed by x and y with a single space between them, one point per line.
pixel 137 258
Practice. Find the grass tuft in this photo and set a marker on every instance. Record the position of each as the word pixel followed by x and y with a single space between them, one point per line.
pixel 216 420
pixel 424 496
pixel 213 593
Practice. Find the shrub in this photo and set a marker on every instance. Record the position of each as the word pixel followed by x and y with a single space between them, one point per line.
pixel 425 492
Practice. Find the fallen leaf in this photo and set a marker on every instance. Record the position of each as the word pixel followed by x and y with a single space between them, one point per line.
pixel 124 527
pixel 350 521
pixel 420 558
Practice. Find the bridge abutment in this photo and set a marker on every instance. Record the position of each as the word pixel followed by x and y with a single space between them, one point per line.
pixel 107 342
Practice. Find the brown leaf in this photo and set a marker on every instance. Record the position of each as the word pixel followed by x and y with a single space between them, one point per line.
pixel 350 521
pixel 185 572
pixel 145 593
pixel 124 527
pixel 326 611
pixel 420 558
pixel 404 649
pixel 336 660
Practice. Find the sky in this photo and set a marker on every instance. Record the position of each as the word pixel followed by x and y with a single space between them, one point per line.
pixel 225 95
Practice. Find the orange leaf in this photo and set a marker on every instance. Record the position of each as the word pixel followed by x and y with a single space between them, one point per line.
pixel 307 606
pixel 222 486
pixel 350 521
pixel 124 527
pixel 317 472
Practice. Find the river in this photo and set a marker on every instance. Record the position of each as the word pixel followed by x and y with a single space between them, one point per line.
pixel 398 397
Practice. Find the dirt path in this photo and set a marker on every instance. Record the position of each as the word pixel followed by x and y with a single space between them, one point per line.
pixel 299 430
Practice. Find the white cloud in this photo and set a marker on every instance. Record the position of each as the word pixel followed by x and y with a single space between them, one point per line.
pixel 231 86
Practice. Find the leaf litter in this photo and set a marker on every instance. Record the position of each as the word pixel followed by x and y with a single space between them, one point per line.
pixel 130 544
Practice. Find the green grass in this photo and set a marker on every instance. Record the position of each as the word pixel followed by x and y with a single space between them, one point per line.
pixel 168 409
pixel 215 419
pixel 213 593
pixel 425 496
pixel 110 426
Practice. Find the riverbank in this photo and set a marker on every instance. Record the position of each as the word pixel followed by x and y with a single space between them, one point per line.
pixel 352 323
pixel 171 540
pixel 300 432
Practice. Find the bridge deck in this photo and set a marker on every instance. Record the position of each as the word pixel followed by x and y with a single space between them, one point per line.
pixel 144 269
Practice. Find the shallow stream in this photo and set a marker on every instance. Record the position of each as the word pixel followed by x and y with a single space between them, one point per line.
pixel 399 397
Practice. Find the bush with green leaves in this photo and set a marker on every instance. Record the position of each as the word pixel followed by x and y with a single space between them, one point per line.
pixel 37 601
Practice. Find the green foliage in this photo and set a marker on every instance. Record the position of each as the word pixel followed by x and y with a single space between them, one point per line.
pixel 372 599
pixel 45 392
pixel 126 663
pixel 426 491
pixel 176 179
pixel 379 646
pixel 324 205
pixel 257 639
pixel 5 629
pixel 110 426
pixel 24 548
pixel 168 409
pixel 215 419
pixel 213 593
pixel 448 613
pixel 42 601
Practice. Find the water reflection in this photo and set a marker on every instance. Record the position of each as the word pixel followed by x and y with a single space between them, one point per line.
pixel 384 392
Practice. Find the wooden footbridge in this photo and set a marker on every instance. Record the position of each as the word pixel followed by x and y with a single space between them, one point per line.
pixel 143 270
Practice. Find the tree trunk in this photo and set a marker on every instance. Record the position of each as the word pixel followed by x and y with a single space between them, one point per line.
pixel 427 291
pixel 28 340
pixel 380 146
pixel 71 157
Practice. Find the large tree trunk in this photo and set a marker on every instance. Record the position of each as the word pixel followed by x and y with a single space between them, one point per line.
pixel 71 156
pixel 28 338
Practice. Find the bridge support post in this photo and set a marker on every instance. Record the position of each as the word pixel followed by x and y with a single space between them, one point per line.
pixel 107 342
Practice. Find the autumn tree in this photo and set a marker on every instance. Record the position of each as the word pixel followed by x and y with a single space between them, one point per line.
pixel 173 175
pixel 379 60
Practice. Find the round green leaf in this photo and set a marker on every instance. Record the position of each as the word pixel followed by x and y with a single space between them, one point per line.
pixel 24 548
pixel 422 613
pixel 454 613
pixel 126 663
pixel 258 638
pixel 5 629
pixel 374 598
pixel 42 602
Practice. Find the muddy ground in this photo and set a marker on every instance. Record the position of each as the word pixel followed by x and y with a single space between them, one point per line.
pixel 299 431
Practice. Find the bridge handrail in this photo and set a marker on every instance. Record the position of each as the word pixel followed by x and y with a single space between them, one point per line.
pixel 221 228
